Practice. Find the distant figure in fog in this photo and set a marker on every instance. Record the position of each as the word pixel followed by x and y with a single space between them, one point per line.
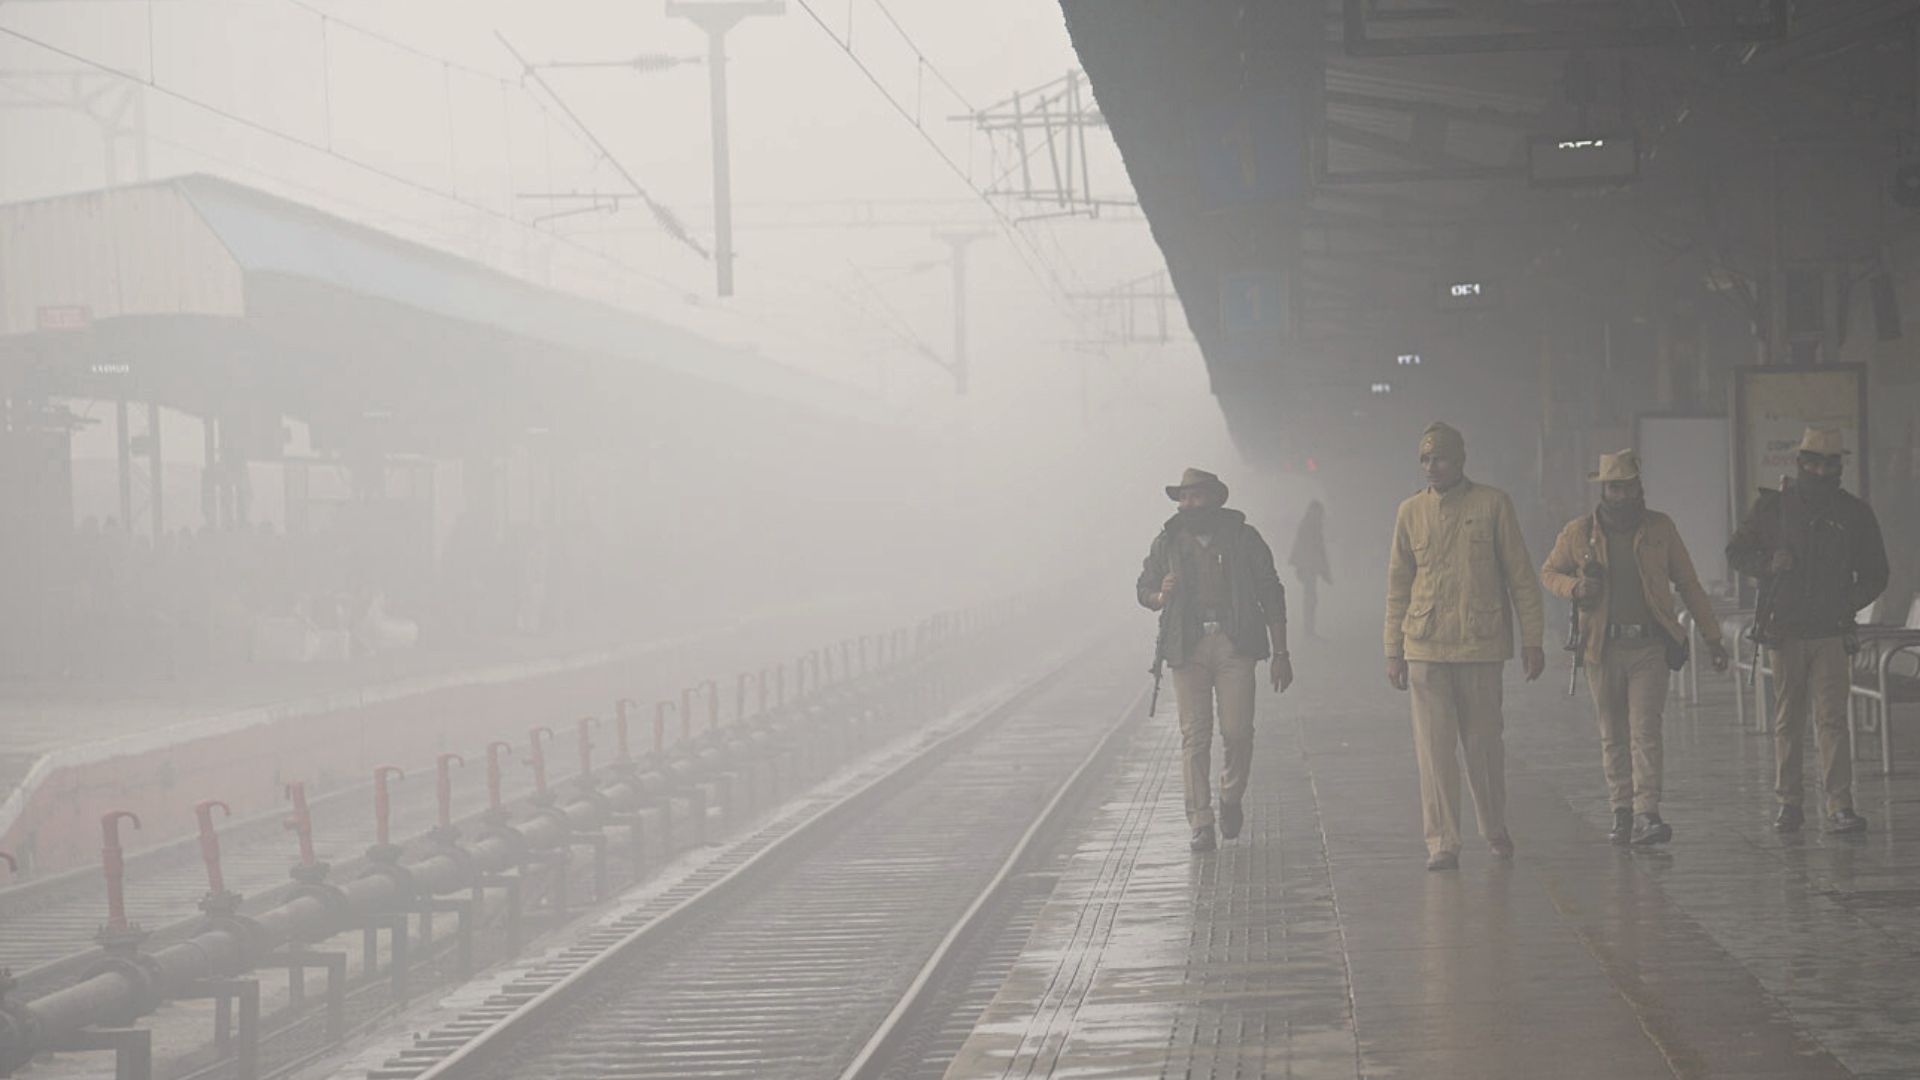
pixel 1309 562
pixel 1224 611
pixel 1819 556
pixel 1457 571
pixel 1620 565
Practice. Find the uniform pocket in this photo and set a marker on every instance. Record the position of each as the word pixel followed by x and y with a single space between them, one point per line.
pixel 1485 622
pixel 1418 625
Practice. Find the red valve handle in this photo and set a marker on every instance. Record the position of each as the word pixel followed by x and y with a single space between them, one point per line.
pixel 113 865
pixel 382 802
pixel 537 761
pixel 620 728
pixel 302 820
pixel 660 711
pixel 210 843
pixel 586 745
pixel 494 750
pixel 443 785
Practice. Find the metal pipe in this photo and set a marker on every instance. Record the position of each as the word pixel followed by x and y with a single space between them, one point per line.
pixel 114 866
pixel 443 787
pixel 210 844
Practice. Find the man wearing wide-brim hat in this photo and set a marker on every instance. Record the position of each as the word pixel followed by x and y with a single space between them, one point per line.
pixel 1223 610
pixel 1620 566
pixel 1817 551
pixel 1457 574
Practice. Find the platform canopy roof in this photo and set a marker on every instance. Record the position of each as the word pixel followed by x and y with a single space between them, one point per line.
pixel 1320 173
pixel 221 299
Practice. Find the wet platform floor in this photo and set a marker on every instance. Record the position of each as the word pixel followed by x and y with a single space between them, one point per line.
pixel 1318 945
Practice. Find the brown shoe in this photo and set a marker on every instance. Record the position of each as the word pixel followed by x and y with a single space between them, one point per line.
pixel 1501 846
pixel 1445 860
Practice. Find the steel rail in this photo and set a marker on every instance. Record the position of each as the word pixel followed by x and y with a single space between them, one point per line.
pixel 876 1055
pixel 130 984
pixel 479 1044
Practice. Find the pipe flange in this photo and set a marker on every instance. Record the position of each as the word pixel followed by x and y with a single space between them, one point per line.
pixel 332 897
pixel 220 905
pixel 462 860
pixel 20 1031
pixel 404 887
pixel 512 837
pixel 254 939
pixel 142 973
pixel 313 873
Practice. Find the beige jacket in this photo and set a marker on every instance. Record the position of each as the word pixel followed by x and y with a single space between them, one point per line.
pixel 1664 567
pixel 1458 562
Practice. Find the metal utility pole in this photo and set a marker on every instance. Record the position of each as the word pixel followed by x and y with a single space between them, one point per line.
pixel 717 17
pixel 958 241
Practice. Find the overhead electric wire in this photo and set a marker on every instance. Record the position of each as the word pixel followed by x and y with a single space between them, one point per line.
pixel 308 144
pixel 668 220
pixel 1022 245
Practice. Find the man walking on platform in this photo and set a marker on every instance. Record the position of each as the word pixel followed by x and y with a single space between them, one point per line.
pixel 1310 563
pixel 1818 553
pixel 1457 571
pixel 1620 565
pixel 1223 610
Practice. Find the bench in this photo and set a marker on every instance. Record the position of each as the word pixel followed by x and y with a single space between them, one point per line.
pixel 1886 672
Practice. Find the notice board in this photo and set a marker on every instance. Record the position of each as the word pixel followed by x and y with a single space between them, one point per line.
pixel 1772 406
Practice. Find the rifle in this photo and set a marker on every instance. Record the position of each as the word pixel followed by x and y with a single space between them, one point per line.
pixel 1160 653
pixel 1761 633
pixel 1590 570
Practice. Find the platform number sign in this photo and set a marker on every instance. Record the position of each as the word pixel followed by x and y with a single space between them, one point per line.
pixel 1253 312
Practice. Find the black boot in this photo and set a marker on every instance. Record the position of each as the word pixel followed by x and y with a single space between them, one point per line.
pixel 1230 819
pixel 1622 830
pixel 1846 821
pixel 1788 819
pixel 1649 830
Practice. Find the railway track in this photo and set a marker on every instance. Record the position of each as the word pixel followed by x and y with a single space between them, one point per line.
pixel 815 945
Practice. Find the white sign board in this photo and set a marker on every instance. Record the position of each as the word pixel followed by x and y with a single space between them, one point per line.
pixel 1773 407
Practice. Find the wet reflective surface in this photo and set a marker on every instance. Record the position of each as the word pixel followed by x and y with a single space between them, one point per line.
pixel 1317 945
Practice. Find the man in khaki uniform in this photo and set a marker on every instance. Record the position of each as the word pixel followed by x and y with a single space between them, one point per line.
pixel 1819 555
pixel 1458 570
pixel 1211 576
pixel 1620 565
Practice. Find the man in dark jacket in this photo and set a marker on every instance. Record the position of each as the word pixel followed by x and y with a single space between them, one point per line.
pixel 1224 610
pixel 1817 551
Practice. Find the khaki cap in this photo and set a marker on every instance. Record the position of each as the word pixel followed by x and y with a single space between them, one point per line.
pixel 1443 438
pixel 1826 442
pixel 1194 478
pixel 1620 465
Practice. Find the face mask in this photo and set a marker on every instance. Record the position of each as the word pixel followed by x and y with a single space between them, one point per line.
pixel 1818 483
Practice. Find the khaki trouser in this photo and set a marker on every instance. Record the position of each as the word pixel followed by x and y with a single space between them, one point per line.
pixel 1629 691
pixel 1214 670
pixel 1459 704
pixel 1813 672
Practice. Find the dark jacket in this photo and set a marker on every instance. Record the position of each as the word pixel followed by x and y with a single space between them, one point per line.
pixel 1258 597
pixel 1839 559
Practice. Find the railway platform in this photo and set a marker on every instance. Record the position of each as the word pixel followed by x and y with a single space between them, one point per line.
pixel 1318 945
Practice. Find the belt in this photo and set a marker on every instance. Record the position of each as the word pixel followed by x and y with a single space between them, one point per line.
pixel 1209 626
pixel 1629 631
